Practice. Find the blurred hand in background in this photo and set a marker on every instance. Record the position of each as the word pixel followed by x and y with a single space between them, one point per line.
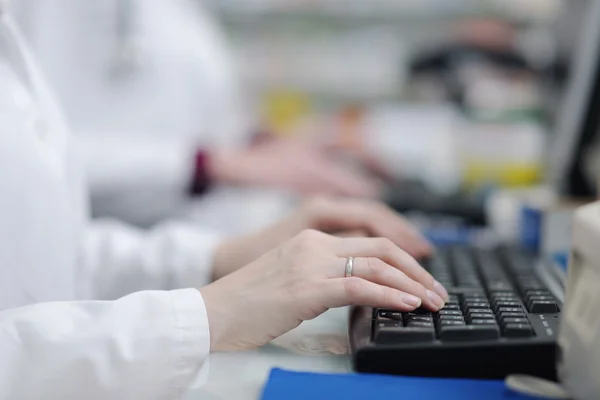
pixel 300 166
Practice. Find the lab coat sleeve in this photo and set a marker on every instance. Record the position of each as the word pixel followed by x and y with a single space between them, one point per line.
pixel 148 345
pixel 116 162
pixel 137 179
pixel 119 259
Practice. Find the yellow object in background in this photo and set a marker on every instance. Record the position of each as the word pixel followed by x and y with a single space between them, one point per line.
pixel 510 175
pixel 284 110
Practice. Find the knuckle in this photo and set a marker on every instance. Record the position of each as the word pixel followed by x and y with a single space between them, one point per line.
pixel 353 287
pixel 375 267
pixel 307 239
pixel 386 246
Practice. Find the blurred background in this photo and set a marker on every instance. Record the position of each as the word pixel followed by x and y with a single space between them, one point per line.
pixel 452 105
pixel 456 98
pixel 443 90
pixel 442 77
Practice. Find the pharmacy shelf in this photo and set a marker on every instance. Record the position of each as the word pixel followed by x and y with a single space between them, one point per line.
pixel 369 11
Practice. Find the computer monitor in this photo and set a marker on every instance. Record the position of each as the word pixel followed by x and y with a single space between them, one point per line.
pixel 579 123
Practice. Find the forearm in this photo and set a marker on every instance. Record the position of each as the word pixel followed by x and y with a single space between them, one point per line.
pixel 233 253
pixel 126 161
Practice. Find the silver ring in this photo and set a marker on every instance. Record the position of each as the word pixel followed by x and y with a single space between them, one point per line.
pixel 349 266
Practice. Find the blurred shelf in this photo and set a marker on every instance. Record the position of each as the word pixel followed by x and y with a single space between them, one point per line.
pixel 370 11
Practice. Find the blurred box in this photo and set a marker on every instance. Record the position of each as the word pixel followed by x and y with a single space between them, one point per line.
pixel 507 154
pixel 547 230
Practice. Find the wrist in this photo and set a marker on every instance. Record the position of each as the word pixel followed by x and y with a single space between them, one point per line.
pixel 222 166
pixel 214 316
pixel 232 254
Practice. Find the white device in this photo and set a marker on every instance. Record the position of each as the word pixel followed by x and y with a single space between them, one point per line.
pixel 578 360
pixel 579 340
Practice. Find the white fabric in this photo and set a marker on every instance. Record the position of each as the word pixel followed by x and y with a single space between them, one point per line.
pixel 146 346
pixel 140 347
pixel 179 93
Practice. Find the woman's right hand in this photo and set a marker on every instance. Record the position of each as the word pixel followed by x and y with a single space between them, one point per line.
pixel 304 277
pixel 291 165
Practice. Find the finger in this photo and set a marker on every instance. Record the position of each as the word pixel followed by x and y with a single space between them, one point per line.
pixel 376 271
pixel 353 233
pixel 371 162
pixel 342 181
pixel 392 225
pixel 374 218
pixel 342 292
pixel 391 254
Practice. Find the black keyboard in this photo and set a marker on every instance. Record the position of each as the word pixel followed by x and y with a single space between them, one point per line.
pixel 500 319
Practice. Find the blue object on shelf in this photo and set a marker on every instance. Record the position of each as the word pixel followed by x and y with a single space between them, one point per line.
pixel 562 260
pixel 531 228
pixel 289 385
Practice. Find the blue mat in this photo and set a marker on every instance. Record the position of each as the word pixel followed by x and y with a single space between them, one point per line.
pixel 304 385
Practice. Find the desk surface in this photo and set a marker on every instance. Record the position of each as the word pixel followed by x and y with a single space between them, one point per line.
pixel 320 345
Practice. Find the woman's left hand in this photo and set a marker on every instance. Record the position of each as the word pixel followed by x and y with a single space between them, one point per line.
pixel 329 215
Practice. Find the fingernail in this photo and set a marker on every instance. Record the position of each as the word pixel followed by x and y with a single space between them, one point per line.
pixel 435 299
pixel 411 300
pixel 441 290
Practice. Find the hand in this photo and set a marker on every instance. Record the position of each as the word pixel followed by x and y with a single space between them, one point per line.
pixel 293 165
pixel 345 135
pixel 303 277
pixel 330 215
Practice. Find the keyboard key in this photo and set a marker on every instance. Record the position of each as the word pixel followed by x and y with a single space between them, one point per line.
pixel 542 307
pixel 397 335
pixel 451 307
pixel 420 311
pixel 394 315
pixel 483 322
pixel 471 305
pixel 509 309
pixel 531 285
pixel 499 286
pixel 512 315
pixel 533 292
pixel 468 333
pixel 451 318
pixel 507 321
pixel 517 330
pixel 449 312
pixel 481 316
pixel 480 311
pixel 475 297
pixel 419 324
pixel 504 293
pixel 508 304
pixel 419 318
pixel 498 299
pixel 532 297
pixel 446 322
pixel 388 324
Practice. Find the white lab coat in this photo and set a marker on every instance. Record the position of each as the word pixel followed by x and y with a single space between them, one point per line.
pixel 180 92
pixel 66 332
